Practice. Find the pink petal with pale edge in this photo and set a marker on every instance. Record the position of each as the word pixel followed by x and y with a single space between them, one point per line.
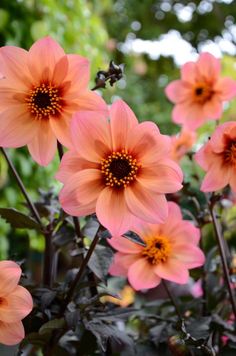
pixel 173 270
pixel 141 275
pixel 226 88
pixel 16 305
pixel 216 178
pixel 121 263
pixel 189 114
pixel 123 245
pixel 91 101
pixel 60 71
pixel 72 163
pixel 189 72
pixel 112 211
pixel 79 72
pixel 191 256
pixel 85 124
pixel 163 177
pixel 213 108
pixel 204 157
pixel 146 143
pixel 122 120
pixel 208 66
pixel 17 127
pixel 43 56
pixel 44 145
pixel 80 192
pixel 61 128
pixel 10 274
pixel 178 91
pixel 180 231
pixel 146 205
pixel 13 64
pixel 11 333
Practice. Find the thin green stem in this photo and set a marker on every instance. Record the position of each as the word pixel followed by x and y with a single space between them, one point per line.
pixel 172 300
pixel 220 241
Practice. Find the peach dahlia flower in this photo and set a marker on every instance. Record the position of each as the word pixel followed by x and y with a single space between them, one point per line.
pixel 39 92
pixel 118 169
pixel 182 143
pixel 199 94
pixel 15 304
pixel 170 251
pixel 218 158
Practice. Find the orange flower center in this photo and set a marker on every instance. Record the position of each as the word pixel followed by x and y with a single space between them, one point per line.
pixel 230 152
pixel 44 101
pixel 202 92
pixel 119 169
pixel 157 249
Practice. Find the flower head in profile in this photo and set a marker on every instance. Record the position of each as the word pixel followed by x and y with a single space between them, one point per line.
pixel 218 158
pixel 199 94
pixel 169 251
pixel 118 169
pixel 15 304
pixel 39 92
pixel 182 143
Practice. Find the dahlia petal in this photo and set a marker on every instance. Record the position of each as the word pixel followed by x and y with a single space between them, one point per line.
pixel 112 211
pixel 145 205
pixel 164 177
pixel 174 210
pixel 213 108
pixel 189 114
pixel 83 125
pixel 60 70
pixel 91 101
pixel 216 178
pixel 208 66
pixel 11 333
pixel 177 91
pixel 122 120
pixel 173 270
pixel 13 64
pixel 79 71
pixel 191 256
pixel 72 163
pixel 61 128
pixel 180 231
pixel 121 263
pixel 217 139
pixel 225 88
pixel 204 156
pixel 146 143
pixel 17 127
pixel 80 192
pixel 188 72
pixel 16 305
pixel 141 275
pixel 123 245
pixel 43 56
pixel 44 145
pixel 10 274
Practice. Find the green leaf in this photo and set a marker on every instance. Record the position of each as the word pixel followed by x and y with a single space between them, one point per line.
pixel 18 220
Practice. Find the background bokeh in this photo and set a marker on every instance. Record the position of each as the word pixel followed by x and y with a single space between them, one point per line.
pixel 152 38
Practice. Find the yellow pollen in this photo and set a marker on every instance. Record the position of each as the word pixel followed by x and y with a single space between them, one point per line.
pixel 157 249
pixel 202 92
pixel 44 101
pixel 119 169
pixel 230 153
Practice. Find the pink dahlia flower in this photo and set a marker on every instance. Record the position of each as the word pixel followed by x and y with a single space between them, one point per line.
pixel 170 251
pixel 40 91
pixel 218 158
pixel 199 94
pixel 118 169
pixel 15 303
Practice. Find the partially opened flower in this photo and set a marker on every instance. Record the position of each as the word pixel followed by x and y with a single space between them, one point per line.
pixel 218 158
pixel 182 143
pixel 40 91
pixel 199 94
pixel 15 304
pixel 118 169
pixel 169 251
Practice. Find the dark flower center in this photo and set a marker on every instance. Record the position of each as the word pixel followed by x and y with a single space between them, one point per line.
pixel 44 101
pixel 229 154
pixel 199 91
pixel 119 169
